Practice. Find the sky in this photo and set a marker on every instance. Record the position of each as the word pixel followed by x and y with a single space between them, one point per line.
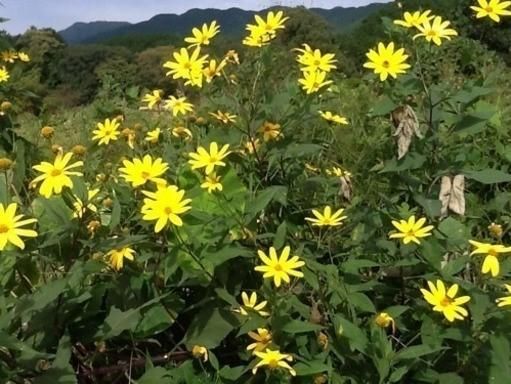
pixel 60 14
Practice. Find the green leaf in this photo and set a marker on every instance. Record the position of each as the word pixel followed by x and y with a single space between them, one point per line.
pixel 155 320
pixel 154 375
pixel 298 326
pixel 411 161
pixel 307 368
pixel 232 373
pixel 398 374
pixel 432 207
pixel 302 150
pixel 210 327
pixel 115 217
pixel 279 239
pixel 500 368
pixel 361 301
pixel 117 322
pixel 355 336
pixel 449 378
pixel 383 107
pixel 262 199
pixel 489 176
pixel 455 232
pixel 416 351
pixel 61 371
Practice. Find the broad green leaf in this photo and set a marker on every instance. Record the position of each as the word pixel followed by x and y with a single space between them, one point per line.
pixel 154 375
pixel 61 371
pixel 355 336
pixel 155 320
pixel 489 176
pixel 307 368
pixel 298 326
pixel 117 322
pixel 265 197
pixel 416 351
pixel 500 368
pixel 209 327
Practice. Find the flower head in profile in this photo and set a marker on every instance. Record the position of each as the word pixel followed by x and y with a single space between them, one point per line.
pixel 11 224
pixel 436 31
pixel 333 118
pixel 257 39
pixel 23 57
pixel 182 132
pixel 153 98
pixel 209 160
pixel 387 61
pixel 384 320
pixel 4 74
pixel 415 19
pixel 411 230
pixel 265 29
pixel 505 301
pixel 187 66
pixel 327 219
pixel 153 136
pixel 200 352
pixel 107 131
pixel 491 262
pixel 212 183
pixel 262 339
pixel 166 205
pixel 312 60
pixel 250 304
pixel 232 57
pixel 178 105
pixel 204 35
pixel 224 117
pixel 117 256
pixel 273 359
pixel 444 300
pixel 139 171
pixel 252 146
pixel 56 176
pixel 279 268
pixel 313 82
pixel 338 171
pixel 270 131
pixel 213 69
pixel 493 9
pixel 80 207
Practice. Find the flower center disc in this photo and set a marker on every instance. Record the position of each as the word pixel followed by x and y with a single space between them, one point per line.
pixel 278 267
pixel 4 228
pixel 489 9
pixel 385 64
pixel 145 175
pixel 446 301
pixel 56 172
pixel 168 210
pixel 273 363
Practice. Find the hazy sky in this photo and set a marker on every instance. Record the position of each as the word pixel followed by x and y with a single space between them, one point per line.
pixel 60 14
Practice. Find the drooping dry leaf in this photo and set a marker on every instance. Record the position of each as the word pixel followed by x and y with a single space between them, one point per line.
pixel 407 125
pixel 452 195
pixel 445 194
pixel 346 187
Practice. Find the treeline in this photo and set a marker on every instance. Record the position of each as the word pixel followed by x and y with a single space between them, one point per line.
pixel 68 75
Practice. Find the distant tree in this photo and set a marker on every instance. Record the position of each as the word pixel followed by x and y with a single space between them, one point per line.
pixel 150 73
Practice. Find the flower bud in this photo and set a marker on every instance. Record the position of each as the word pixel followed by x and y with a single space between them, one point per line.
pixel 5 164
pixel 47 132
pixel 79 150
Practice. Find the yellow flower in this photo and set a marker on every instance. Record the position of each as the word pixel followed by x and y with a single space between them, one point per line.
pixel 5 164
pixel 9 56
pixel 312 82
pixel 273 359
pixel 182 132
pixel 153 136
pixel 212 183
pixel 47 132
pixel 311 167
pixel 387 61
pixel 204 36
pixel 270 26
pixel 337 119
pixel 492 9
pixel 411 230
pixel 257 39
pixel 279 268
pixel 415 19
pixel 232 57
pixel 178 105
pixel 326 219
pixel 107 131
pixel 153 98
pixel 117 257
pixel 23 57
pixel 139 172
pixel 56 176
pixel 4 74
pixel 213 70
pixel 506 300
pixel 250 304
pixel 80 208
pixel 10 223
pixel 209 160
pixel 270 131
pixel 490 263
pixel 165 205
pixel 252 146
pixel 200 352
pixel 224 117
pixel 384 320
pixel 436 31
pixel 313 60
pixel 444 300
pixel 495 230
pixel 186 66
pixel 338 171
pixel 262 340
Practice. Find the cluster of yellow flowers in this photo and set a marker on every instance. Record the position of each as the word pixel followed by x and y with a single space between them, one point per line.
pixel 264 30
pixel 441 298
pixel 10 57
pixel 314 67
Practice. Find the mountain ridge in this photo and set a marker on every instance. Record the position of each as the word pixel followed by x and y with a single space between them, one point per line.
pixel 232 20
